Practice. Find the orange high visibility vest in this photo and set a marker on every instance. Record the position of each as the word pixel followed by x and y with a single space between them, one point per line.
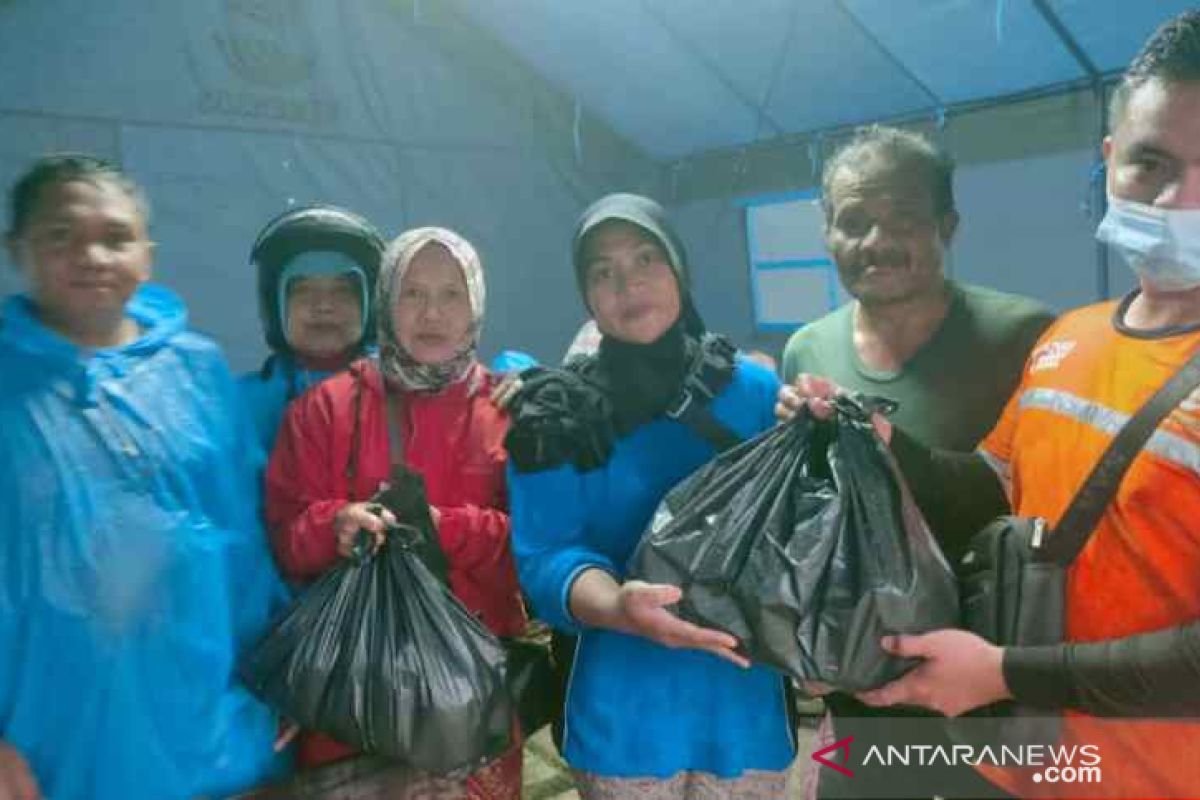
pixel 1140 571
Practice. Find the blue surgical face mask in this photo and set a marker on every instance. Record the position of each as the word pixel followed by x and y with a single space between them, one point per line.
pixel 1161 245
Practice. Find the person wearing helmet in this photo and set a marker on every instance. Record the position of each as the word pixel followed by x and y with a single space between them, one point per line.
pixel 316 275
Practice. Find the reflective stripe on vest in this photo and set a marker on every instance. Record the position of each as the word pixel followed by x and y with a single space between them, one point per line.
pixel 1164 444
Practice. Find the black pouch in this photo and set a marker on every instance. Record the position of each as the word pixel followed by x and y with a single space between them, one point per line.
pixel 1011 593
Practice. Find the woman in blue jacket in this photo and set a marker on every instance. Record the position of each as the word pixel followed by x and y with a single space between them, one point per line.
pixel 656 707
pixel 316 276
pixel 132 563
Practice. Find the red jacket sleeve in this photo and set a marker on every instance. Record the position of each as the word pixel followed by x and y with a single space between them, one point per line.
pixel 302 492
pixel 474 538
pixel 477 537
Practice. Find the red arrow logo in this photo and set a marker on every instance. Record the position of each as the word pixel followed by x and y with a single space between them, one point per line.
pixel 843 746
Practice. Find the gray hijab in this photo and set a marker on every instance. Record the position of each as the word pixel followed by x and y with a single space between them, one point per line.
pixel 398 366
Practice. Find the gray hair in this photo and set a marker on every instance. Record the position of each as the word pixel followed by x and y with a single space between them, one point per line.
pixel 896 147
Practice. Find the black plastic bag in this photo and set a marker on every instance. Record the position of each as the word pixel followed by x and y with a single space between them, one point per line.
pixel 379 654
pixel 806 545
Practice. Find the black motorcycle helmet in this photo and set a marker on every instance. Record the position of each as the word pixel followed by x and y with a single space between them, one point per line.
pixel 300 230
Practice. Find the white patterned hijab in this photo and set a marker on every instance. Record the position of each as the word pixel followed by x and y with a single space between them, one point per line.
pixel 396 363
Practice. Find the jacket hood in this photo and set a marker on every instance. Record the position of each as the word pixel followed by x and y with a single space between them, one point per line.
pixel 158 311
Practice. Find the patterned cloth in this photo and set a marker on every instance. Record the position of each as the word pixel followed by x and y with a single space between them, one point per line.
pixel 751 785
pixel 498 780
pixel 371 778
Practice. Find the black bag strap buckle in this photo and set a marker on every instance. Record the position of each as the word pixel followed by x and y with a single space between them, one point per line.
pixel 681 405
pixel 695 389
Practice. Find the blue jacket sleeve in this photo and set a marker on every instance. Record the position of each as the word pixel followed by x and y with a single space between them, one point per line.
pixel 549 540
pixel 763 386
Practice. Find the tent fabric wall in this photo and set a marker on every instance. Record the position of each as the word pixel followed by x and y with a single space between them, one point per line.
pixel 230 111
pixel 1027 228
pixel 681 76
pixel 504 118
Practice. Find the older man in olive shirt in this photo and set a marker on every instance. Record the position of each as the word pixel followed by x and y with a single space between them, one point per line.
pixel 949 354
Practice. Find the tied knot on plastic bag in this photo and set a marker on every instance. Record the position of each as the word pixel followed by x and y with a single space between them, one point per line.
pixel 858 407
pixel 402 535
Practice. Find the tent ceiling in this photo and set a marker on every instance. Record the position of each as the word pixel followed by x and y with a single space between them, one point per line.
pixel 682 76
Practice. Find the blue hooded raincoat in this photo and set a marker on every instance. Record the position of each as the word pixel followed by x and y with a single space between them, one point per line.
pixel 133 567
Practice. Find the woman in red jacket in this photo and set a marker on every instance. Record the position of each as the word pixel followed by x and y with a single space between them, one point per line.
pixel 334 450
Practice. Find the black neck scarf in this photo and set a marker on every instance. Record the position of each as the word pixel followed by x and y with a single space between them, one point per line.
pixel 643 380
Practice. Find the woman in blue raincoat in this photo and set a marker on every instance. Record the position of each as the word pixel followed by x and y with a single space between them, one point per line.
pixel 316 274
pixel 132 563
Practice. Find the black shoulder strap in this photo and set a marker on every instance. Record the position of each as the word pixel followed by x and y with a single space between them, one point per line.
pixel 692 409
pixel 709 373
pixel 405 495
pixel 1091 501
